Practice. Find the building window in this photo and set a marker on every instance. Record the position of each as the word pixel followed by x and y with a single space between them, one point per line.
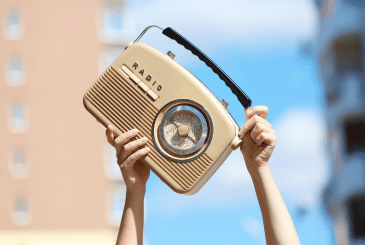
pixel 328 9
pixel 14 72
pixel 113 19
pixel 117 23
pixel 349 54
pixel 13 25
pixel 357 217
pixel 19 163
pixel 116 201
pixel 111 166
pixel 18 118
pixel 355 135
pixel 21 214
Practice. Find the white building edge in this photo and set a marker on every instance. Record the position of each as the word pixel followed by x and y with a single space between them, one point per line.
pixel 341 60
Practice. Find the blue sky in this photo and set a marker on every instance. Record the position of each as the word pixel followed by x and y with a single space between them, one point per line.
pixel 257 43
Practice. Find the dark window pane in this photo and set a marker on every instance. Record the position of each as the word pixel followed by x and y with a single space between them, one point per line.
pixel 21 205
pixel 18 111
pixel 355 136
pixel 357 216
pixel 13 18
pixel 15 65
pixel 115 20
pixel 349 54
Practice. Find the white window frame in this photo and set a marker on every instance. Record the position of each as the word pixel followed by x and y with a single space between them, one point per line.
pixel 111 167
pixel 109 55
pixel 114 214
pixel 108 34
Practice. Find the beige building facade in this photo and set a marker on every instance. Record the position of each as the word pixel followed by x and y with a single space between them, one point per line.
pixel 59 181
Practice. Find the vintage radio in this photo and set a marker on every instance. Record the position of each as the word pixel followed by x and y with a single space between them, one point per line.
pixel 190 133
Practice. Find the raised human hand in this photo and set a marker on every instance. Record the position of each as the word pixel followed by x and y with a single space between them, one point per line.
pixel 135 173
pixel 259 140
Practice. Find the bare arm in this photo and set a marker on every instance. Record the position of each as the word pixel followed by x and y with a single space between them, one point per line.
pixel 257 147
pixel 131 226
pixel 135 175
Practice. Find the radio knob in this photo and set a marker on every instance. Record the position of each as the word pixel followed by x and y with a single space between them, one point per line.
pixel 183 130
pixel 171 55
pixel 224 103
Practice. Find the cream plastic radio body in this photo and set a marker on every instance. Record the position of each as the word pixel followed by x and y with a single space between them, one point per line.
pixel 117 99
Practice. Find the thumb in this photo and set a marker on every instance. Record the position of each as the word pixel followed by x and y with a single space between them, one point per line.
pixel 248 113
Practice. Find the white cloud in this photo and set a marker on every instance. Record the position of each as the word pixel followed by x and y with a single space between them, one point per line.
pixel 248 23
pixel 231 184
pixel 298 165
pixel 254 227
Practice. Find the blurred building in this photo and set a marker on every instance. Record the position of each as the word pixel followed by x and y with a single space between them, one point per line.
pixel 341 58
pixel 59 181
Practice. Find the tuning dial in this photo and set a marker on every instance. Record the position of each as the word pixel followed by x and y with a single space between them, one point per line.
pixel 183 130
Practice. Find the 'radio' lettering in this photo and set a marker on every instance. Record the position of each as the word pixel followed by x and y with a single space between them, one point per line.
pixel 148 77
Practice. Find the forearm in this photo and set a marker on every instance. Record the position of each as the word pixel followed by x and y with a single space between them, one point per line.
pixel 131 227
pixel 279 227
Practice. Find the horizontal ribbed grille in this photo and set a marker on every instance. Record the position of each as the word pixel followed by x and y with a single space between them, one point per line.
pixel 127 108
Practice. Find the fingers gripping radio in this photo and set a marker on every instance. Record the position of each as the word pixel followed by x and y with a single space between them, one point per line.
pixel 190 133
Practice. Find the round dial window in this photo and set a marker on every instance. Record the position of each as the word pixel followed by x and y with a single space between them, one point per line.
pixel 183 130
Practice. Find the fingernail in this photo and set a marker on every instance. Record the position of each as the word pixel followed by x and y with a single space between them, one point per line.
pixel 134 131
pixel 144 139
pixel 249 112
pixel 147 149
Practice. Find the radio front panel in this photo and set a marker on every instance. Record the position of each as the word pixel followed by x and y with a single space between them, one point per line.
pixel 187 127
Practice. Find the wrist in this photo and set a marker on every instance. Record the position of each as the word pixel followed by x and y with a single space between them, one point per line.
pixel 257 172
pixel 134 197
pixel 136 192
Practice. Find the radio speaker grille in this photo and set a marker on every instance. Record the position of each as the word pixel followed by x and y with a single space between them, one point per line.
pixel 127 108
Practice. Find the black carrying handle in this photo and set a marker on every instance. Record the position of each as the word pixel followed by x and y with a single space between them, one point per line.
pixel 241 96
